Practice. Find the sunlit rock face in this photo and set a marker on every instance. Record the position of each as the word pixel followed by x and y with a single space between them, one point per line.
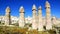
pixel 55 20
pixel 2 20
pixel 48 16
pixel 14 19
pixel 34 22
pixel 28 20
pixel 21 18
pixel 40 21
pixel 7 16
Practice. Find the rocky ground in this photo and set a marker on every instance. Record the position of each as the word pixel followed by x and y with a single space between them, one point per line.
pixel 17 30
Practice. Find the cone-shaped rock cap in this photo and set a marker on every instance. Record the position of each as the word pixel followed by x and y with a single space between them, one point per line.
pixel 40 8
pixel 21 9
pixel 7 9
pixel 34 7
pixel 47 4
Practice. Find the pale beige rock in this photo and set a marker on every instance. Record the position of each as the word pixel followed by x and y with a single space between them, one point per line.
pixel 40 21
pixel 48 16
pixel 21 18
pixel 34 22
pixel 7 21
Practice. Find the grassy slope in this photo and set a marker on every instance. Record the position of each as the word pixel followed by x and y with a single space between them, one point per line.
pixel 17 30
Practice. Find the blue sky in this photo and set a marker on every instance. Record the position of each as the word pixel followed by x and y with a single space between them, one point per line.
pixel 27 4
